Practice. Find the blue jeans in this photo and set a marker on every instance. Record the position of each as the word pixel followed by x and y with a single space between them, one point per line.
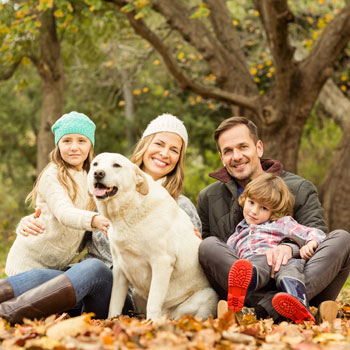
pixel 91 279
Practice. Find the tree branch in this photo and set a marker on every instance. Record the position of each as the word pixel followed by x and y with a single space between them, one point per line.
pixel 225 32
pixel 7 73
pixel 50 48
pixel 318 65
pixel 35 60
pixel 183 80
pixel 335 103
pixel 275 16
pixel 213 51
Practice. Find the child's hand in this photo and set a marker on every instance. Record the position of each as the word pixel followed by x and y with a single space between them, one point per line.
pixel 308 250
pixel 31 225
pixel 101 223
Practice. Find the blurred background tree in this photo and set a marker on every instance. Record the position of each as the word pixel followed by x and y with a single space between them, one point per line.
pixel 125 62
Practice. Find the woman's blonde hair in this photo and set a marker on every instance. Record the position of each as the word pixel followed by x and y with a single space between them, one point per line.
pixel 64 177
pixel 271 190
pixel 174 180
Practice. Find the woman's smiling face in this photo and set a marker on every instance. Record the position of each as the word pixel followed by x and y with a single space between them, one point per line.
pixel 162 154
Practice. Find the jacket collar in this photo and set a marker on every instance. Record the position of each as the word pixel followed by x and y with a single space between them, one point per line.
pixel 268 165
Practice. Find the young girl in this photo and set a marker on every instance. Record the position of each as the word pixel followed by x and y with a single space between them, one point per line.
pixel 61 193
pixel 86 286
pixel 267 208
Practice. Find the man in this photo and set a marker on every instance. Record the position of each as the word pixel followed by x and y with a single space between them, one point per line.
pixel 240 151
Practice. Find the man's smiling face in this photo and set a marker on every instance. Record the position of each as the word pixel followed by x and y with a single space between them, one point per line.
pixel 240 154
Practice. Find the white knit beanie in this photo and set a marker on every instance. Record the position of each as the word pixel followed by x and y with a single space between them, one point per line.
pixel 167 123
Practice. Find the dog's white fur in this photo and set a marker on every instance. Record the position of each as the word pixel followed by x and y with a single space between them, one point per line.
pixel 153 244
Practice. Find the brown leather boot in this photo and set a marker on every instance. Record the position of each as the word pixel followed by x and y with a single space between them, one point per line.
pixel 54 296
pixel 327 311
pixel 6 291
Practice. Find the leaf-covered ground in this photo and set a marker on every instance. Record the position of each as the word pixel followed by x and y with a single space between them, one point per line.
pixel 187 333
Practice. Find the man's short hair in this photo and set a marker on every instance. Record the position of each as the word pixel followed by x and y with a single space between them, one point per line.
pixel 234 121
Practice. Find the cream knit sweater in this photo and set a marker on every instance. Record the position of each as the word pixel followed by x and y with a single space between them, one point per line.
pixel 65 223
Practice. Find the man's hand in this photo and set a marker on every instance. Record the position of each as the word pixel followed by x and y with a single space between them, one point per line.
pixel 278 256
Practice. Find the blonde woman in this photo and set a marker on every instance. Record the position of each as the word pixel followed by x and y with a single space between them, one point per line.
pixel 86 286
pixel 161 154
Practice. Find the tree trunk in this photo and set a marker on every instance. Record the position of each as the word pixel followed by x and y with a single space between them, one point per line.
pixel 50 69
pixel 282 142
pixel 335 190
pixel 281 119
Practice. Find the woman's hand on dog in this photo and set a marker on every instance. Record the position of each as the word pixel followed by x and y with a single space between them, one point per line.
pixel 101 223
pixel 31 225
pixel 197 233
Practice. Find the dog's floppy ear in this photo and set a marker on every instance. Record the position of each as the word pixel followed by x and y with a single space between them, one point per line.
pixel 141 182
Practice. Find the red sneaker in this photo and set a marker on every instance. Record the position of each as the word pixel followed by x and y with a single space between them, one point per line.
pixel 290 307
pixel 239 279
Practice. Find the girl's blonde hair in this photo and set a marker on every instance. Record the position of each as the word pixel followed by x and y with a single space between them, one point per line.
pixel 271 190
pixel 64 177
pixel 174 180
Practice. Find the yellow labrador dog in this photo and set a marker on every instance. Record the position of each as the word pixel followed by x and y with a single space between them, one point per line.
pixel 153 245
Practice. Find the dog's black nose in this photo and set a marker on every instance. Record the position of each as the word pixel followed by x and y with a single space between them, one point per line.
pixel 99 174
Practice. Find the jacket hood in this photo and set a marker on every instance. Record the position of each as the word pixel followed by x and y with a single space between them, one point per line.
pixel 269 165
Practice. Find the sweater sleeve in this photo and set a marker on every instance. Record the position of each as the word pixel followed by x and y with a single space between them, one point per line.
pixel 98 247
pixel 203 212
pixel 304 232
pixel 59 203
pixel 315 234
pixel 186 205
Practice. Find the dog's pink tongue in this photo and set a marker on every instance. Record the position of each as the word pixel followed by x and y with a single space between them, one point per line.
pixel 99 192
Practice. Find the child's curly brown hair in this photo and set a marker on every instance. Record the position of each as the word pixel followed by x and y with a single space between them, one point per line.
pixel 271 190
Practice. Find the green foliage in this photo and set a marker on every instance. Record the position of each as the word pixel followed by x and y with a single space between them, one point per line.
pixel 143 8
pixel 19 125
pixel 198 166
pixel 201 11
pixel 320 139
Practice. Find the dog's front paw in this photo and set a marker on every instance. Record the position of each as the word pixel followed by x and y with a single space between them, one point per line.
pixel 160 321
pixel 154 315
pixel 112 314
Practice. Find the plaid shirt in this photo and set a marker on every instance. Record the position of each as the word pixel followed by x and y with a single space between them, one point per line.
pixel 256 239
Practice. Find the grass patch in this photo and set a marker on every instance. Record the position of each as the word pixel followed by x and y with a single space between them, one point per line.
pixel 4 248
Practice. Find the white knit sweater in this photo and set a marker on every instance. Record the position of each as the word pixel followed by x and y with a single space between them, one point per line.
pixel 65 223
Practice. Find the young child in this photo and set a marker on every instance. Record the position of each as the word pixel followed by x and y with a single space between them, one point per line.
pixel 267 208
pixel 61 193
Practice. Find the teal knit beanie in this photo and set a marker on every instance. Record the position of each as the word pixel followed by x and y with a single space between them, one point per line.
pixel 74 123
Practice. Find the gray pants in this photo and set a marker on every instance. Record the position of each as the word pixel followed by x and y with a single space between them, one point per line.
pixel 293 269
pixel 325 273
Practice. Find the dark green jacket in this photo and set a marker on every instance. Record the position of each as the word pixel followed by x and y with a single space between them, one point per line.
pixel 220 212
